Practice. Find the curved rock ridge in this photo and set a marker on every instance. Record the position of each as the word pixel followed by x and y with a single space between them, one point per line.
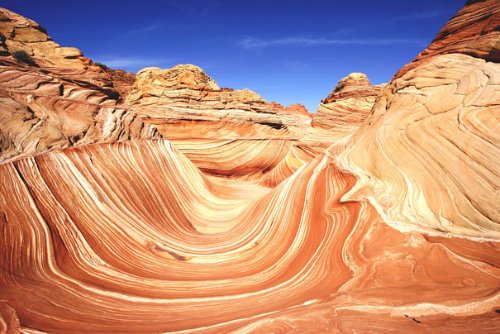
pixel 348 105
pixel 267 161
pixel 53 98
pixel 428 153
pixel 131 237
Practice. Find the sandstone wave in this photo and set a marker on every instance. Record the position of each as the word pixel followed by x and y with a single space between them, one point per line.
pixel 161 202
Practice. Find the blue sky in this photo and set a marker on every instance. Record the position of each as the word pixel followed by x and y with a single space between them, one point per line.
pixel 287 51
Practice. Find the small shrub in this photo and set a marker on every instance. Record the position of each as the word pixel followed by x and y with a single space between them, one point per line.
pixel 23 57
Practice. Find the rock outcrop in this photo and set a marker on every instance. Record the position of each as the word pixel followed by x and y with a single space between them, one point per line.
pixel 186 93
pixel 428 154
pixel 53 97
pixel 222 130
pixel 348 105
pixel 295 108
pixel 473 31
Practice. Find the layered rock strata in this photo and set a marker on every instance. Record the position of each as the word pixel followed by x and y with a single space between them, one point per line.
pixel 348 105
pixel 186 93
pixel 427 156
pixel 239 227
pixel 131 237
pixel 53 97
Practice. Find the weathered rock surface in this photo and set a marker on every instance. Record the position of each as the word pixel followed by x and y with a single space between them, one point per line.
pixel 53 97
pixel 428 154
pixel 235 226
pixel 348 105
pixel 122 81
pixel 186 93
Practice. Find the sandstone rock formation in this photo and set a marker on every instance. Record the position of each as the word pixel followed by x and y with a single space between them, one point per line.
pixel 186 93
pixel 348 105
pixel 158 240
pixel 237 225
pixel 52 97
pixel 433 136
pixel 223 131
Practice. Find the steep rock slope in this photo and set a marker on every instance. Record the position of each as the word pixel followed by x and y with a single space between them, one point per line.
pixel 428 154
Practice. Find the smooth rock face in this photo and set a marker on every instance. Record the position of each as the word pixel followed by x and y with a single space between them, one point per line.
pixel 348 105
pixel 248 219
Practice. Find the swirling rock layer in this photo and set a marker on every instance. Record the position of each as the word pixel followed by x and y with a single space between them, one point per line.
pixel 132 237
pixel 433 136
pixel 248 220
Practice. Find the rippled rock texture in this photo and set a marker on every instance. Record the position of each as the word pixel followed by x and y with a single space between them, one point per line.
pixel 232 225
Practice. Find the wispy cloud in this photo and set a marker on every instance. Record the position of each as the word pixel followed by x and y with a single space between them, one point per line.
pixel 133 63
pixel 252 43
